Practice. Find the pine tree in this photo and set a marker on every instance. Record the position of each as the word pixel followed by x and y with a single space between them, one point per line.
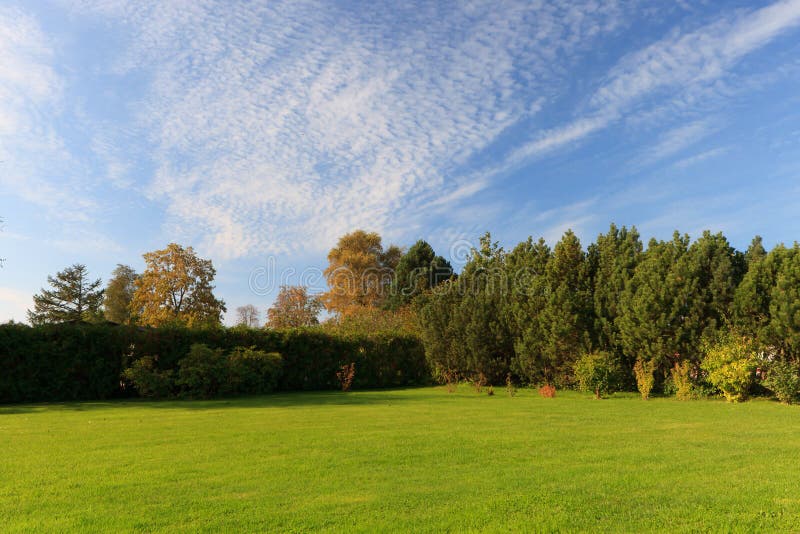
pixel 417 271
pixel 783 330
pixel 526 266
pixel 618 253
pixel 566 317
pixel 73 297
pixel 751 305
pixel 650 315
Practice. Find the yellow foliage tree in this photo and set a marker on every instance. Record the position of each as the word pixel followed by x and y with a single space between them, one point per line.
pixel 175 288
pixel 359 273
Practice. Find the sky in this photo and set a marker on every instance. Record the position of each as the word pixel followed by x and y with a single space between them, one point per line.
pixel 260 132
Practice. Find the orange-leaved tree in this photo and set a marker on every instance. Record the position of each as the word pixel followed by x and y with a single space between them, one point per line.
pixel 293 308
pixel 175 288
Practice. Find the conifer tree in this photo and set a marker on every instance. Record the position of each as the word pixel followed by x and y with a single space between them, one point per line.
pixel 784 307
pixel 73 297
pixel 418 270
pixel 618 252
pixel 566 320
pixel 526 266
pixel 650 317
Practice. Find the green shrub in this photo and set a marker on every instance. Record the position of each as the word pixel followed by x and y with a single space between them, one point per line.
pixel 203 372
pixel 147 379
pixel 783 380
pixel 644 371
pixel 598 372
pixel 731 364
pixel 251 371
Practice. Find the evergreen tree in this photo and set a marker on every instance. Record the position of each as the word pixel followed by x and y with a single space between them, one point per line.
pixel 73 297
pixel 462 321
pixel 710 271
pixel 526 266
pixel 650 317
pixel 566 318
pixel 783 330
pixel 417 271
pixel 119 294
pixel 751 306
pixel 618 252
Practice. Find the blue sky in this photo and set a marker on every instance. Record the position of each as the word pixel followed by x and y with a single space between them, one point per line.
pixel 259 132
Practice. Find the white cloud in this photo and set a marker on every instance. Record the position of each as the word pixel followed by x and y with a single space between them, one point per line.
pixel 281 126
pixel 702 156
pixel 31 150
pixel 676 140
pixel 683 67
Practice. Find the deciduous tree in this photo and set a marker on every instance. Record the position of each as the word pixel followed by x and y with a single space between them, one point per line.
pixel 176 288
pixel 359 272
pixel 119 294
pixel 248 315
pixel 293 308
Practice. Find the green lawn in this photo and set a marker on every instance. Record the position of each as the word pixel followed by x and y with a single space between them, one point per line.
pixel 416 459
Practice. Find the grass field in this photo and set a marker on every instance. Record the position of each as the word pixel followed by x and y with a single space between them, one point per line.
pixel 416 459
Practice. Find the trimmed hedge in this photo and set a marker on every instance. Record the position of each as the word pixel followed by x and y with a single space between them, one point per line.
pixel 85 361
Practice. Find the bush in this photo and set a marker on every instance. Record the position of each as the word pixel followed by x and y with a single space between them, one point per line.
pixel 251 371
pixel 598 372
pixel 682 381
pixel 645 378
pixel 345 376
pixel 548 391
pixel 203 372
pixel 147 379
pixel 783 380
pixel 731 364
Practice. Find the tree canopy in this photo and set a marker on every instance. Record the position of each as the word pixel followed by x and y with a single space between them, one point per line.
pixel 176 288
pixel 293 308
pixel 72 297
pixel 119 294
pixel 359 273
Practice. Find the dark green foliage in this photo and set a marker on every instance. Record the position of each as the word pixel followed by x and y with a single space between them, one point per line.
pixel 526 266
pixel 567 319
pixel 617 253
pixel 783 330
pixel 650 318
pixel 119 293
pixel 751 300
pixel 418 270
pixel 73 297
pixel 61 361
pixel 203 372
pixel 148 380
pixel 85 361
pixel 252 371
pixel 463 321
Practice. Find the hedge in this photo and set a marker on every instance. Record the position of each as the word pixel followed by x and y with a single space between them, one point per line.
pixel 80 361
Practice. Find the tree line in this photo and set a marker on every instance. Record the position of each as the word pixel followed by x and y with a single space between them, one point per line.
pixel 534 311
pixel 529 313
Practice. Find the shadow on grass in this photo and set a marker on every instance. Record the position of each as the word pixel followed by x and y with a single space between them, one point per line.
pixel 298 399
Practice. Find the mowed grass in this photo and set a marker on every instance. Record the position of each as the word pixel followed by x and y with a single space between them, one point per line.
pixel 401 460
